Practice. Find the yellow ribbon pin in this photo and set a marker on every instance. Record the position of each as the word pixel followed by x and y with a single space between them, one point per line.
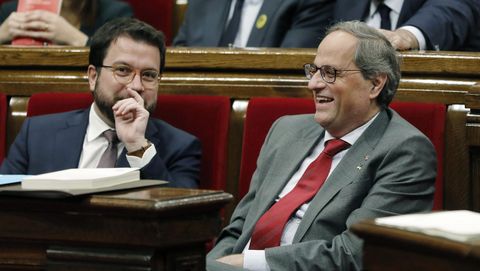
pixel 261 21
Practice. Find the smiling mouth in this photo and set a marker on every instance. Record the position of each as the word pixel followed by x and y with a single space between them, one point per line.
pixel 322 99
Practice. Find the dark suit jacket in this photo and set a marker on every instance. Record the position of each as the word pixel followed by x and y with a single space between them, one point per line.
pixel 54 142
pixel 290 23
pixel 448 24
pixel 389 170
pixel 107 10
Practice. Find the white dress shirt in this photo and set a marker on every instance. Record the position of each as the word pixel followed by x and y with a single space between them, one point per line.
pixel 373 19
pixel 94 144
pixel 255 259
pixel 250 11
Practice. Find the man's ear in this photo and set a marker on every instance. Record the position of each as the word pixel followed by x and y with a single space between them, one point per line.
pixel 377 85
pixel 92 76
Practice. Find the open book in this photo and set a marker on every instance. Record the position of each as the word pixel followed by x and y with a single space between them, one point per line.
pixel 53 6
pixel 461 225
pixel 81 178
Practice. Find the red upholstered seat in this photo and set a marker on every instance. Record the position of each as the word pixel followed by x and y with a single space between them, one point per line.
pixel 262 112
pixel 158 13
pixel 206 117
pixel 3 125
pixel 55 102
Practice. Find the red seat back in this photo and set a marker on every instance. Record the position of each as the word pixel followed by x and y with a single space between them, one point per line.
pixel 158 13
pixel 3 125
pixel 262 112
pixel 206 117
pixel 56 102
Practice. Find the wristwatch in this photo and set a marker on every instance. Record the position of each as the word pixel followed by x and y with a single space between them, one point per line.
pixel 139 152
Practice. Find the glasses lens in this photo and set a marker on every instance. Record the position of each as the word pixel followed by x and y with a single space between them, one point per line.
pixel 310 70
pixel 328 73
pixel 124 74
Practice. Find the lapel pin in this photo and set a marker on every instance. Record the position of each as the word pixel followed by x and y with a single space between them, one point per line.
pixel 366 157
pixel 261 21
pixel 359 167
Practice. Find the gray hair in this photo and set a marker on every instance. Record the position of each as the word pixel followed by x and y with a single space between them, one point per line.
pixel 374 56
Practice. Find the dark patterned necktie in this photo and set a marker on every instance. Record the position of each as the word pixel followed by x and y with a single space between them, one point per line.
pixel 269 227
pixel 228 36
pixel 109 157
pixel 384 12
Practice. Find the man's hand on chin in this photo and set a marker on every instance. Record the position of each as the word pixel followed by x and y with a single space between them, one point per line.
pixel 234 259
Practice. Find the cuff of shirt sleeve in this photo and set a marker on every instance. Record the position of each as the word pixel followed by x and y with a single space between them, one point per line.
pixel 422 43
pixel 255 260
pixel 148 155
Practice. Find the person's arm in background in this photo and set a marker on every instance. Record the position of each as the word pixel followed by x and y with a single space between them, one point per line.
pixel 446 25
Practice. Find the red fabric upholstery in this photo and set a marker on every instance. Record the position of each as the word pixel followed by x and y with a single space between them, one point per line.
pixel 3 125
pixel 262 112
pixel 206 117
pixel 429 118
pixel 55 102
pixel 158 13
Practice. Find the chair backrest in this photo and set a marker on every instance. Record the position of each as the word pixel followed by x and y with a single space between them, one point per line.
pixel 3 125
pixel 206 117
pixel 158 13
pixel 56 102
pixel 262 112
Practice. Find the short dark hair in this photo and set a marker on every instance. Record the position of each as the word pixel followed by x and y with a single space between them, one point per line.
pixel 124 27
pixel 374 55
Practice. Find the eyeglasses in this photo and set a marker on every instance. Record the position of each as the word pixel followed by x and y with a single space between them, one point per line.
pixel 328 73
pixel 124 75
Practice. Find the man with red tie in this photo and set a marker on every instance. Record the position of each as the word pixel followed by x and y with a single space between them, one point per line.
pixel 316 175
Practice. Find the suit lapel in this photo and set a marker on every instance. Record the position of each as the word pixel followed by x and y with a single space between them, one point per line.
pixel 409 7
pixel 353 10
pixel 347 171
pixel 69 141
pixel 281 172
pixel 268 10
pixel 216 21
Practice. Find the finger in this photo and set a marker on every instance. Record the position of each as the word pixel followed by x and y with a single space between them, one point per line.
pixel 135 95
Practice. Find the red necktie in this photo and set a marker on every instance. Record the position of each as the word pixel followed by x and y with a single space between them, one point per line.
pixel 269 227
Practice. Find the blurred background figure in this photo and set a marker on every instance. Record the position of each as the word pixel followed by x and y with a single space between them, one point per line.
pixel 78 20
pixel 254 23
pixel 419 24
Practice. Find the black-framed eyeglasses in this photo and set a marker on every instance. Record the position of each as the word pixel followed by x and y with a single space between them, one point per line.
pixel 328 73
pixel 124 75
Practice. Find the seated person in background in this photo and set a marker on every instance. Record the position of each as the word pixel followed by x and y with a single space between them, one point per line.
pixel 254 23
pixel 126 60
pixel 78 20
pixel 419 24
pixel 371 161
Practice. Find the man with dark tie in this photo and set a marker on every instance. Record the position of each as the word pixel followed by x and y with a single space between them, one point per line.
pixel 254 23
pixel 126 60
pixel 353 159
pixel 419 24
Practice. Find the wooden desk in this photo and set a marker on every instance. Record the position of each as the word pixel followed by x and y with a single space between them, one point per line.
pixel 397 250
pixel 145 229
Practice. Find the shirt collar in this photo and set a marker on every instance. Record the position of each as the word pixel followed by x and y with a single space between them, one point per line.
pixel 352 137
pixel 394 5
pixel 96 126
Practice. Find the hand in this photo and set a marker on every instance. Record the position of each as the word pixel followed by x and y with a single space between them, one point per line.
pixel 12 27
pixel 401 39
pixel 46 25
pixel 234 259
pixel 131 120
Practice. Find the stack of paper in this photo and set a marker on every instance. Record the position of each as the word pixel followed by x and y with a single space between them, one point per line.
pixel 81 178
pixel 462 225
